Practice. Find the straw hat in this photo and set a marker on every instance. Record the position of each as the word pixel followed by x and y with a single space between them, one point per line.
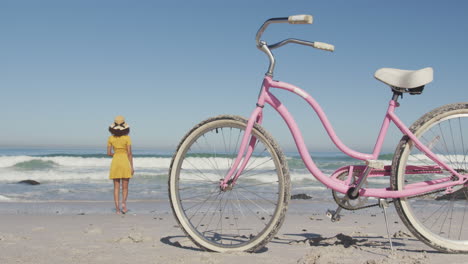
pixel 119 127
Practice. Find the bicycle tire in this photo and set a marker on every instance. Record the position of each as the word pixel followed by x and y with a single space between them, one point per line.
pixel 439 219
pixel 245 218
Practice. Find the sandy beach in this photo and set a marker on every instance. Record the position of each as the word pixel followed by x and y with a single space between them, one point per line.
pixel 146 235
pixel 69 218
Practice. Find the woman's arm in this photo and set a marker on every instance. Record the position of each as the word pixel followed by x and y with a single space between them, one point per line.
pixel 109 150
pixel 130 157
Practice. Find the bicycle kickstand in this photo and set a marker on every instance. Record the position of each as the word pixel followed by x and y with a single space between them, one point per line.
pixel 384 204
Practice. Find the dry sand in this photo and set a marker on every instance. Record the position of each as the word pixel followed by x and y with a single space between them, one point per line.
pixel 155 238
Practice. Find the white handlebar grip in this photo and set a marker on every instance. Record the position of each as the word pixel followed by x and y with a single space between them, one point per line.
pixel 324 46
pixel 300 19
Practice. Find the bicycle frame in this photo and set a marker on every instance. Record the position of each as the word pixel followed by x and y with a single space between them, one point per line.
pixel 265 96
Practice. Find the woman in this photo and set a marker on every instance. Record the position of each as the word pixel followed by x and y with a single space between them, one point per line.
pixel 119 147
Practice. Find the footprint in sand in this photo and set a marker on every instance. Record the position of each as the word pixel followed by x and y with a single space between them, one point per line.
pixel 335 253
pixel 93 230
pixel 133 238
pixel 402 234
pixel 11 238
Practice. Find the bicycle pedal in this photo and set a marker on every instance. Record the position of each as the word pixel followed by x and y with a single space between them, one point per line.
pixel 333 215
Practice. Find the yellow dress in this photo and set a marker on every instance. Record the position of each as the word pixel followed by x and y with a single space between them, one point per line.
pixel 120 166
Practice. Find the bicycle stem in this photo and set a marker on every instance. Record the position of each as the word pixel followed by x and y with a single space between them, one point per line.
pixel 271 67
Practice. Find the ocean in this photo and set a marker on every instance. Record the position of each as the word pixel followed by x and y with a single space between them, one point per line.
pixel 82 174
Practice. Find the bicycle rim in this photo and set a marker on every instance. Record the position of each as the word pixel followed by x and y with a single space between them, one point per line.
pixel 439 219
pixel 243 218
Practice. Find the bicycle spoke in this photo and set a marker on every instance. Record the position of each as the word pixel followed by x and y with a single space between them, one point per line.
pixel 462 144
pixel 200 204
pixel 202 174
pixel 464 213
pixel 257 195
pixel 200 195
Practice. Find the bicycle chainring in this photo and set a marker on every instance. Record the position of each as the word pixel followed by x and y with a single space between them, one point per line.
pixel 349 204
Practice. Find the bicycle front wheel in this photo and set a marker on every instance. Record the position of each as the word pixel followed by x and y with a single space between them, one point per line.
pixel 440 218
pixel 244 217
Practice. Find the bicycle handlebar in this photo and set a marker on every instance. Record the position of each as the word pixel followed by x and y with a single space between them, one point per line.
pixel 316 44
pixel 296 19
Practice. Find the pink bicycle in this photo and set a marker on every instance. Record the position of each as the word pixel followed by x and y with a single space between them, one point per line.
pixel 229 183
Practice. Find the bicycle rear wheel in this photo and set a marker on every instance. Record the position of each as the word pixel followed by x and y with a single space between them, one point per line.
pixel 243 218
pixel 439 219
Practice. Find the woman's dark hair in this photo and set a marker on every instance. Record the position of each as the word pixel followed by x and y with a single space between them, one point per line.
pixel 118 133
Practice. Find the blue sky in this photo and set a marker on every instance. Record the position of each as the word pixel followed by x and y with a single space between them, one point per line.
pixel 68 67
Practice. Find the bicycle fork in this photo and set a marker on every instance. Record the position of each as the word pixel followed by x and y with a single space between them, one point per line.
pixel 247 146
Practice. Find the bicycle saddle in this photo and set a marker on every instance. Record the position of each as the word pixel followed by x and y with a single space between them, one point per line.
pixel 403 78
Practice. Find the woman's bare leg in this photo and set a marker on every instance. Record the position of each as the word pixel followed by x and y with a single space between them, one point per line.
pixel 116 195
pixel 124 194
